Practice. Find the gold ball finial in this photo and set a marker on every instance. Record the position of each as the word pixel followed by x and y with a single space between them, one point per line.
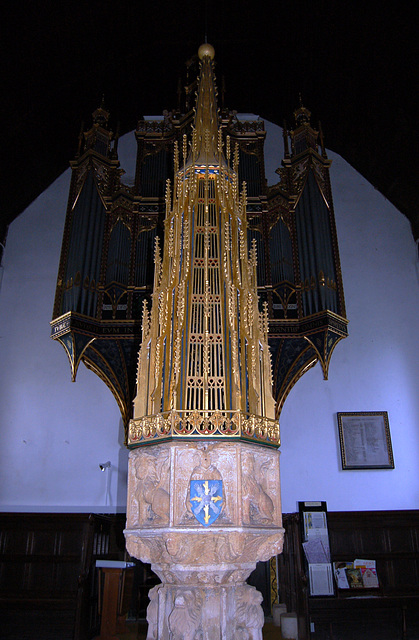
pixel 206 50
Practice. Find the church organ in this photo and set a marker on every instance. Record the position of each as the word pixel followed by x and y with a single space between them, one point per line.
pixel 108 255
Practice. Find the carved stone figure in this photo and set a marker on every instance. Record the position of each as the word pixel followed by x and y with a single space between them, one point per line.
pixel 151 474
pixel 258 507
pixel 152 611
pixel 249 613
pixel 177 547
pixel 185 617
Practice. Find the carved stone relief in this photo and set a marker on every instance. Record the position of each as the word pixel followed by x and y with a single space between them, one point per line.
pixel 203 595
pixel 258 506
pixel 152 613
pixel 203 612
pixel 249 613
pixel 149 489
pixel 205 462
pixel 185 618
pixel 249 475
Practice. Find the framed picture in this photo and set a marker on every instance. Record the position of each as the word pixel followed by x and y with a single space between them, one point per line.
pixel 365 441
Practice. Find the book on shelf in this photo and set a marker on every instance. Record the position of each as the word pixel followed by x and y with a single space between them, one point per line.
pixel 359 574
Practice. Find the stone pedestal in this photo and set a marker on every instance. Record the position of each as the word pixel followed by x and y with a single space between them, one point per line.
pixel 203 514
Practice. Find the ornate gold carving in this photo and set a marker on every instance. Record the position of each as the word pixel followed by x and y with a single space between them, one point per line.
pixel 273 574
pixel 121 215
pixel 204 321
pixel 219 424
pixel 146 321
pixel 299 175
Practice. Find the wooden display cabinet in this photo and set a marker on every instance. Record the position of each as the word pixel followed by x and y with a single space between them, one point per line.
pixel 391 612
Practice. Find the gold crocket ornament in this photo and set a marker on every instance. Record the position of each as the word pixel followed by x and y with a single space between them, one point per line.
pixel 204 501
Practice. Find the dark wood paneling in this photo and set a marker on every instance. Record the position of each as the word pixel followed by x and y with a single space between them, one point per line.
pixel 47 573
pixel 292 581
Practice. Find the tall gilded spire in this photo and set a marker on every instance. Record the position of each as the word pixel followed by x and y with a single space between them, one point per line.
pixel 204 365
pixel 204 405
pixel 205 142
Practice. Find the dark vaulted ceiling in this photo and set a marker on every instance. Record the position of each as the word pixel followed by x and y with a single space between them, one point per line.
pixel 355 66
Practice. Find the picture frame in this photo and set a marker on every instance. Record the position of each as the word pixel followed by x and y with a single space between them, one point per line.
pixel 365 441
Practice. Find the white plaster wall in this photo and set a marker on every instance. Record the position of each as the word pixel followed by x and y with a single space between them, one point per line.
pixel 375 369
pixel 54 434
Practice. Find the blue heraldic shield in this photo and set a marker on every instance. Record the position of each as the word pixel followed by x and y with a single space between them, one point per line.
pixel 206 498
